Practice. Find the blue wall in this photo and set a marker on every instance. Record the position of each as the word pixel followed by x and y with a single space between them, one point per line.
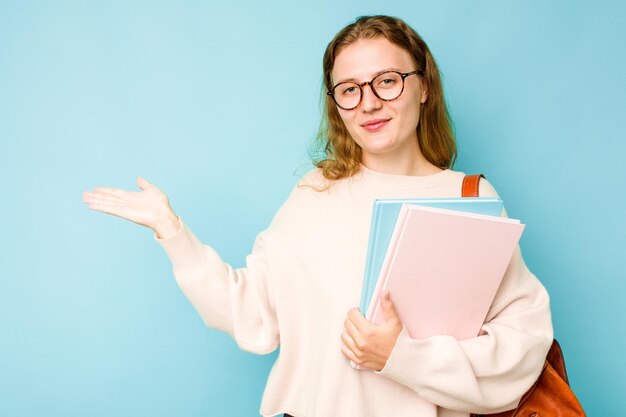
pixel 99 93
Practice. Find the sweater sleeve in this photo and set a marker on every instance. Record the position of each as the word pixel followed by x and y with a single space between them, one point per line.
pixel 488 373
pixel 237 301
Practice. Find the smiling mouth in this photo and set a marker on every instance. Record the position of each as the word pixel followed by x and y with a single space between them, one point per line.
pixel 374 125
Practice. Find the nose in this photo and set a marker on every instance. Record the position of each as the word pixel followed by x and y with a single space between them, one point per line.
pixel 369 100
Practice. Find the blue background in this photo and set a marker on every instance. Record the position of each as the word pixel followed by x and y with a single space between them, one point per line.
pixel 98 93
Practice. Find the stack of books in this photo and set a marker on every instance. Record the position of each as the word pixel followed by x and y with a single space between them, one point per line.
pixel 442 261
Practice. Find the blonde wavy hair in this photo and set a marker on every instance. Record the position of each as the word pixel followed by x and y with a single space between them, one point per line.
pixel 340 154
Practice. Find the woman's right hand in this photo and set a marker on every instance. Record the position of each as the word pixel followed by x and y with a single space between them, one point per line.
pixel 149 207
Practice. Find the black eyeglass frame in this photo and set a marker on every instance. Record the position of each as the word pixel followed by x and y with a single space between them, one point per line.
pixel 402 75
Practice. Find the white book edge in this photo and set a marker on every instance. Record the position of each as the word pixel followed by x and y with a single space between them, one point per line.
pixel 459 213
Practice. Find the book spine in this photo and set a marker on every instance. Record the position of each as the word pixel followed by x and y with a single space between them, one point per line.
pixel 371 250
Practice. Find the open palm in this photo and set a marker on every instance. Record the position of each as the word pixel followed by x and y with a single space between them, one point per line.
pixel 147 207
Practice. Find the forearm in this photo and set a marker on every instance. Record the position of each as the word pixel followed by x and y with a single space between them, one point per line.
pixel 236 301
pixel 485 374
pixel 201 275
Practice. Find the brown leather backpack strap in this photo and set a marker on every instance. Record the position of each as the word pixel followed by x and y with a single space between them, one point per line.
pixel 556 360
pixel 470 185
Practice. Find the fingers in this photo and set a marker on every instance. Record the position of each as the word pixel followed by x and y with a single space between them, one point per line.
pixel 357 339
pixel 143 183
pixel 120 208
pixel 389 310
pixel 349 341
pixel 361 323
pixel 105 206
pixel 350 355
pixel 113 192
pixel 392 319
pixel 104 202
pixel 350 351
pixel 107 194
pixel 100 198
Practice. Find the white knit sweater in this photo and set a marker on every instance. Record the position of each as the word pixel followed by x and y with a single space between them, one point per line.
pixel 305 272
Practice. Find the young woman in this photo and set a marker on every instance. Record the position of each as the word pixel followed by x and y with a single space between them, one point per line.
pixel 386 134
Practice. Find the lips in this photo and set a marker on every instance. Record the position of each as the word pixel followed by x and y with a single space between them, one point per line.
pixel 374 124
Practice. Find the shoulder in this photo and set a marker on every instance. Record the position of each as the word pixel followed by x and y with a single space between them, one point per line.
pixel 486 189
pixel 313 179
pixel 454 184
pixel 299 202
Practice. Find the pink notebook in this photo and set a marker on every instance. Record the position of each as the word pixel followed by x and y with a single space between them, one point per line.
pixel 443 268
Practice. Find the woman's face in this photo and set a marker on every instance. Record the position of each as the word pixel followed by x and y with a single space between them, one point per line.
pixel 385 130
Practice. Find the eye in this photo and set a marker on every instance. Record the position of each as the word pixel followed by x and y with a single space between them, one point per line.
pixel 349 90
pixel 387 82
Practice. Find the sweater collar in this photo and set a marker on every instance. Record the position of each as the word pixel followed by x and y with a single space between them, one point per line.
pixel 380 179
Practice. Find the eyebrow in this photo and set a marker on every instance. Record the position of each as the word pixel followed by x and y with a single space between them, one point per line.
pixel 345 80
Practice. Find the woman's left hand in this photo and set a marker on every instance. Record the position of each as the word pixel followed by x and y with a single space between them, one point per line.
pixel 369 345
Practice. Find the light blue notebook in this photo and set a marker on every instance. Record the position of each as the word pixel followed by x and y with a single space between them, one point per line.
pixel 384 215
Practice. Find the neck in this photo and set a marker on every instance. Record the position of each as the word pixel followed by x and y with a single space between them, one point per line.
pixel 408 162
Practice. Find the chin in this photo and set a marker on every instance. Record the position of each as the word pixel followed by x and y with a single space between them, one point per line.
pixel 376 144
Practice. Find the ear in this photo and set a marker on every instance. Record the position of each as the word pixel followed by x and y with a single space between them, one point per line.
pixel 424 95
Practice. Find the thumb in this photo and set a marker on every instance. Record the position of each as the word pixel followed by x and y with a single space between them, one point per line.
pixel 143 183
pixel 389 310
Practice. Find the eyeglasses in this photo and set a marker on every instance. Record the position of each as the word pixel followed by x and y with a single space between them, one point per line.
pixel 386 86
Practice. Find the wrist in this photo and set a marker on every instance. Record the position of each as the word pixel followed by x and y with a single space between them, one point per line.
pixel 167 226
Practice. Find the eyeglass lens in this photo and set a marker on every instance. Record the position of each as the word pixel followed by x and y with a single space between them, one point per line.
pixel 387 86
